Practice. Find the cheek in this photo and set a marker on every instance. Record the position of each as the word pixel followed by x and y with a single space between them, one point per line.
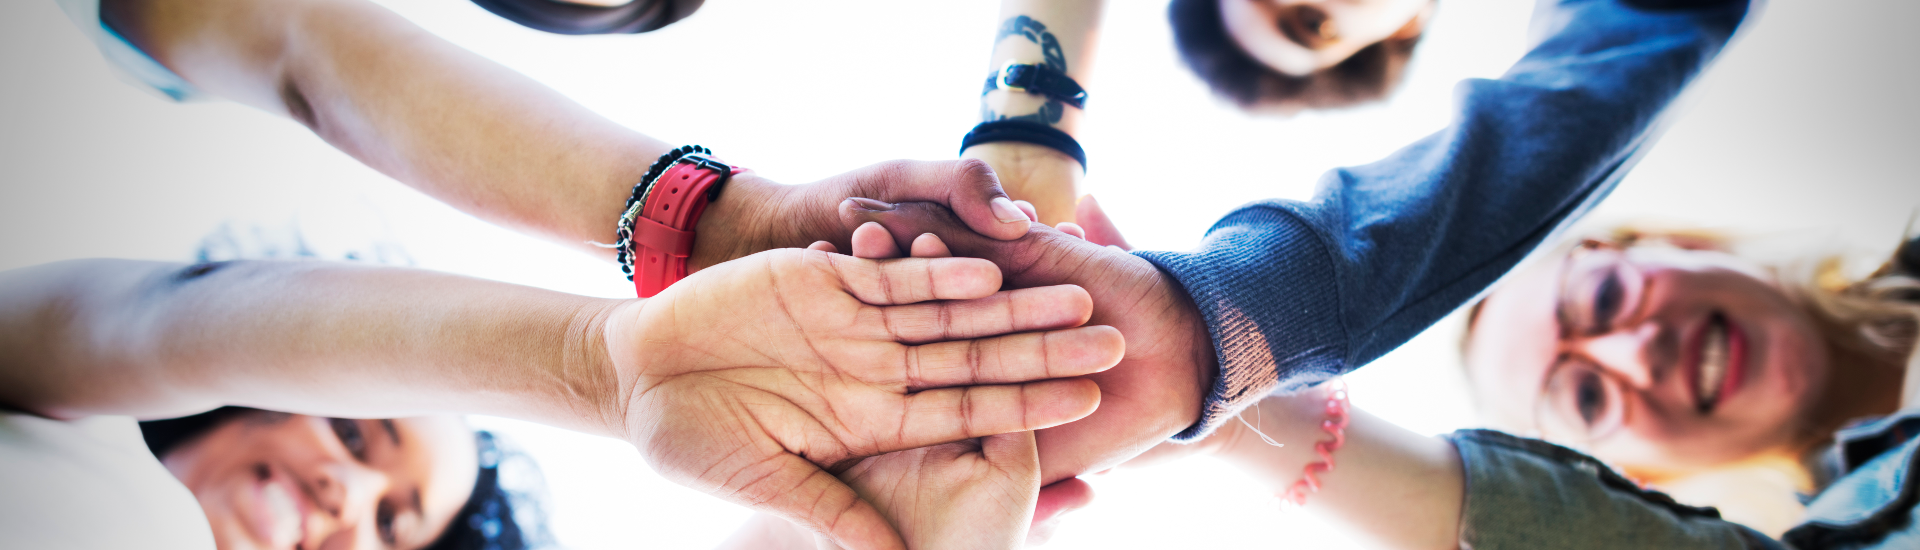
pixel 225 503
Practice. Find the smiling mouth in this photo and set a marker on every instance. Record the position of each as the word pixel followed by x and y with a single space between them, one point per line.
pixel 1715 364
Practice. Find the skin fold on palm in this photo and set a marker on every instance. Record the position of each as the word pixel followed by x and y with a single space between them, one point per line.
pixel 1156 389
pixel 755 380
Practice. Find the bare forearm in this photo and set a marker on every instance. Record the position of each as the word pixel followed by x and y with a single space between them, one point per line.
pixel 1059 34
pixel 1398 488
pixel 1056 34
pixel 465 130
pixel 153 339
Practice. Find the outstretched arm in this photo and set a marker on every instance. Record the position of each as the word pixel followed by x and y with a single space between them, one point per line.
pixel 485 139
pixel 1297 292
pixel 155 340
pixel 1060 34
pixel 1472 489
pixel 746 380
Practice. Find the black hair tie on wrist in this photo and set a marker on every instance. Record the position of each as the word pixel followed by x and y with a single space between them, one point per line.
pixel 1025 132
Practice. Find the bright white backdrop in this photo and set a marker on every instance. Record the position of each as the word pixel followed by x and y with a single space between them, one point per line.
pixel 1806 127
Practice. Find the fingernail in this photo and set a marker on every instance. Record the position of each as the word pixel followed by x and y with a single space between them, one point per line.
pixel 1033 214
pixel 1006 212
pixel 871 204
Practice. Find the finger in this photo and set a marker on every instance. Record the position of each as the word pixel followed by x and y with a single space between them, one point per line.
pixel 1033 214
pixel 801 492
pixel 929 245
pixel 1043 308
pixel 1043 245
pixel 967 186
pixel 1055 501
pixel 1099 228
pixel 824 246
pixel 913 280
pixel 940 416
pixel 870 240
pixel 1013 359
pixel 1071 228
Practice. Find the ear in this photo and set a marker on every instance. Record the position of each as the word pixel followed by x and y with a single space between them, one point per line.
pixel 1416 25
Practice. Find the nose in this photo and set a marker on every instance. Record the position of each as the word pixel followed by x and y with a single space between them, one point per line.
pixel 1627 353
pixel 348 491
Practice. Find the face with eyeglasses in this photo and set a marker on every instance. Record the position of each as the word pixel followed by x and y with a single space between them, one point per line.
pixel 280 481
pixel 1659 359
pixel 1300 37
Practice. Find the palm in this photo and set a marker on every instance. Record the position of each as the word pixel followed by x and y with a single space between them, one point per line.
pixel 969 494
pixel 754 375
pixel 1156 389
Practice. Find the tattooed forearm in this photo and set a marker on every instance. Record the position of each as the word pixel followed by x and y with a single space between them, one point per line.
pixel 1035 32
pixel 1052 57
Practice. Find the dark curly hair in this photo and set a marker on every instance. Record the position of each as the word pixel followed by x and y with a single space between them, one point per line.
pixel 1200 34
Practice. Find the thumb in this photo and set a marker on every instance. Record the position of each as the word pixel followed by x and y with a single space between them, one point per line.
pixel 1015 453
pixel 967 186
pixel 1055 501
pixel 1100 229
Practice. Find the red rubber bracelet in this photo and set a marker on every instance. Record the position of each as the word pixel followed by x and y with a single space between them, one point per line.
pixel 663 233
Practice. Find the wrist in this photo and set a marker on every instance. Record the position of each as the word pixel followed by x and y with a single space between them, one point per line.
pixel 740 222
pixel 1041 175
pixel 1290 420
pixel 598 370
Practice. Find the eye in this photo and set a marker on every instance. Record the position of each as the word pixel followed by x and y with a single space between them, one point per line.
pixel 1590 397
pixel 350 436
pixel 1607 299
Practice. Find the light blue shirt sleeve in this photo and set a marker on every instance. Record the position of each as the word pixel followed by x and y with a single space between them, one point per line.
pixel 128 62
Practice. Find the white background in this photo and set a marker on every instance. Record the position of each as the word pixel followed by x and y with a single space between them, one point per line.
pixel 1806 128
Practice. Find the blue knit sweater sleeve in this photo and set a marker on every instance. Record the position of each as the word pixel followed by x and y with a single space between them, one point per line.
pixel 1297 292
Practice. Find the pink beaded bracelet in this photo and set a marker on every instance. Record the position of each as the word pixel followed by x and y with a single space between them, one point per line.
pixel 1335 425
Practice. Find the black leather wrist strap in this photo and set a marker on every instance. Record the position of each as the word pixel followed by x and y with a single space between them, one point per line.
pixel 1040 80
pixel 1025 132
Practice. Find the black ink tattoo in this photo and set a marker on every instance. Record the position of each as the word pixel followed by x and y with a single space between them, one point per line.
pixel 1052 57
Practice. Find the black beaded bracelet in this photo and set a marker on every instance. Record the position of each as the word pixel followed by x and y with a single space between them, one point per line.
pixel 623 246
pixel 1025 132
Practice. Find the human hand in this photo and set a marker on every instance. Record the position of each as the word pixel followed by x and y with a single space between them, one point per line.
pixel 1056 499
pixel 747 379
pixel 754 214
pixel 974 494
pixel 1035 173
pixel 1156 390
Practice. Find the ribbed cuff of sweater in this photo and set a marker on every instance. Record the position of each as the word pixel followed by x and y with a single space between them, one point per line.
pixel 1267 287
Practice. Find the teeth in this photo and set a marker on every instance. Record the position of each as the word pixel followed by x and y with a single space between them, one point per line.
pixel 285 514
pixel 1713 363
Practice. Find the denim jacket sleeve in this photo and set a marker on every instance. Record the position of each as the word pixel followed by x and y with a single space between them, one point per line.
pixel 1527 493
pixel 1297 292
pixel 1876 501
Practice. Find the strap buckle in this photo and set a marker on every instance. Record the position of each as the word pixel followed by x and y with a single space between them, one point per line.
pixel 1004 79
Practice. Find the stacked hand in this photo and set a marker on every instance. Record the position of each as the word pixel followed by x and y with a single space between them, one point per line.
pixel 1155 391
pixel 754 379
pixel 754 214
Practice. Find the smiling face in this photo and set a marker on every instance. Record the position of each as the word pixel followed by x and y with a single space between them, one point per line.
pixel 1299 37
pixel 271 481
pixel 1661 360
